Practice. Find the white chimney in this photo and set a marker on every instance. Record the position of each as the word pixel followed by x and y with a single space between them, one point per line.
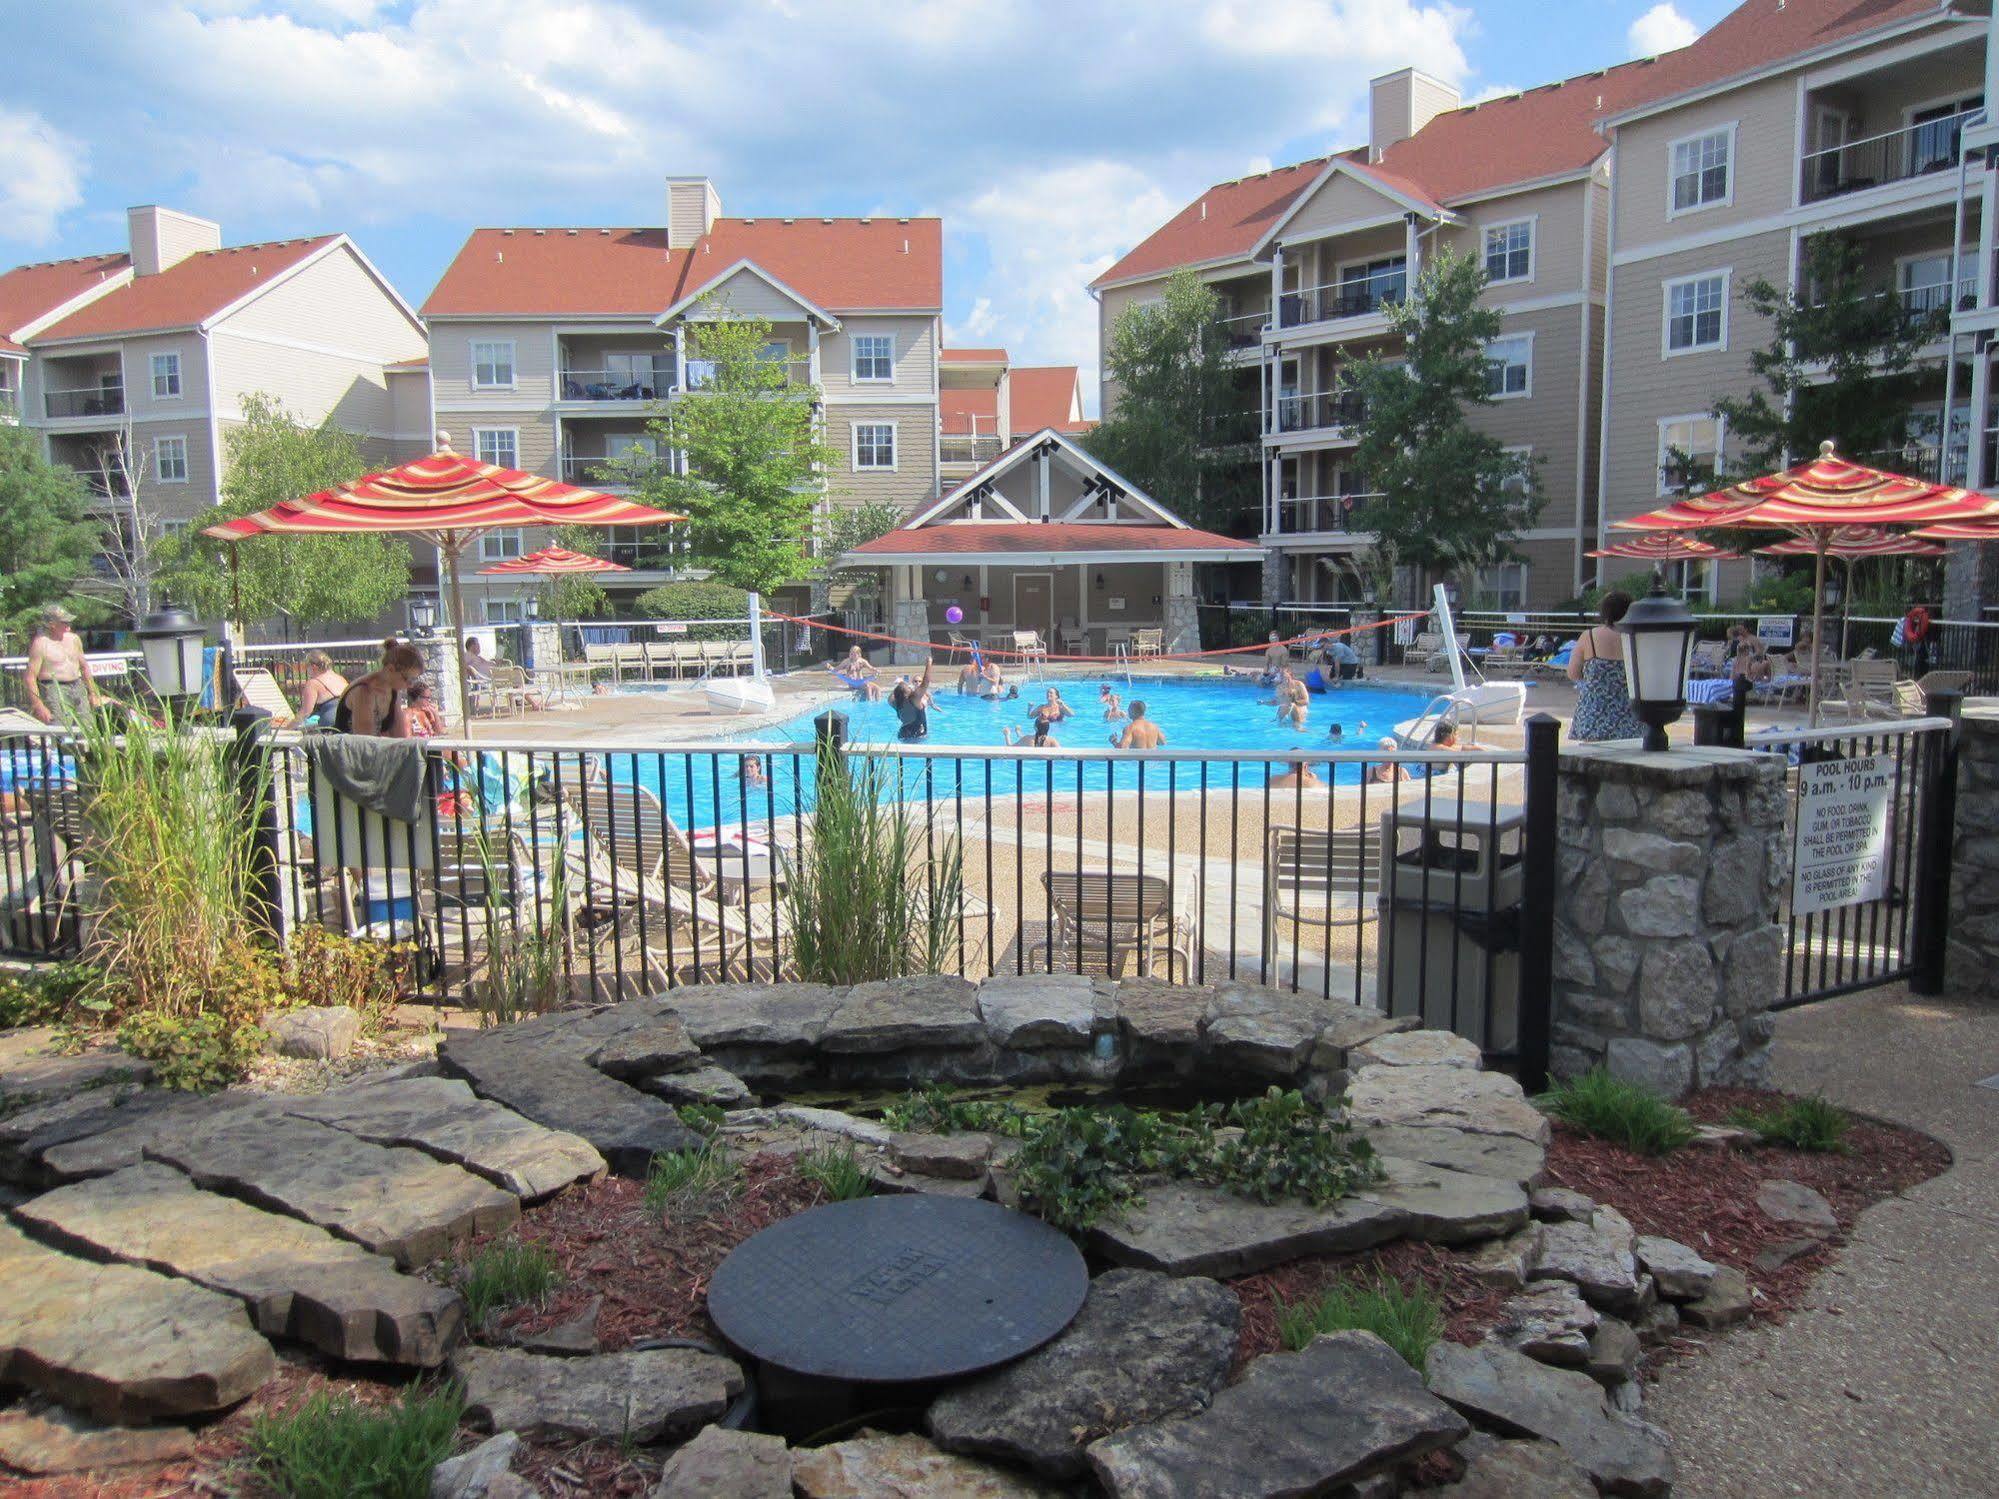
pixel 692 206
pixel 161 237
pixel 1401 103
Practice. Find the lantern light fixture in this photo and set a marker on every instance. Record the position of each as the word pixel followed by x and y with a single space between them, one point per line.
pixel 172 642
pixel 1658 636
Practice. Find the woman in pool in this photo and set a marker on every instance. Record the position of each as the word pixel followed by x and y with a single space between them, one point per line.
pixel 1293 700
pixel 858 673
pixel 1387 771
pixel 912 704
pixel 1113 709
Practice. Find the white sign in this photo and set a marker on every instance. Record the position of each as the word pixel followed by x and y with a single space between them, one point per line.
pixel 1843 847
pixel 1777 630
pixel 671 629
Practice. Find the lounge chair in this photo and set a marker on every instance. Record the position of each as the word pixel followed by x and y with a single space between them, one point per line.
pixel 1317 880
pixel 1111 922
pixel 1933 682
pixel 259 689
pixel 1710 659
pixel 1869 690
pixel 1419 651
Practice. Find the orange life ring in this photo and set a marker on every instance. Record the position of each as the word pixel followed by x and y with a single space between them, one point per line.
pixel 1915 625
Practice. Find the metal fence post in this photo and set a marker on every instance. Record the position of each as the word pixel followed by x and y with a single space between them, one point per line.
pixel 1539 840
pixel 252 756
pixel 1936 829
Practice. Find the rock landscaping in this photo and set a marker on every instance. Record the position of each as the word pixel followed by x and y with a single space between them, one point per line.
pixel 174 1260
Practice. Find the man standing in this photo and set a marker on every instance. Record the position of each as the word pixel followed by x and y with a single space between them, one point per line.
pixel 1276 657
pixel 59 680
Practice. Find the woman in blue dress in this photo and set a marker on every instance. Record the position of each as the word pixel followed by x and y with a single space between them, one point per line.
pixel 1596 666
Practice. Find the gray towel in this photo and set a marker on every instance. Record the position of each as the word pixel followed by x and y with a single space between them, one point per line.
pixel 383 775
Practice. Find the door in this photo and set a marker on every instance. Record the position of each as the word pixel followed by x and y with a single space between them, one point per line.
pixel 1034 603
pixel 1831 129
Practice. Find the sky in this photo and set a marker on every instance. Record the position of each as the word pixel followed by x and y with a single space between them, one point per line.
pixel 1050 135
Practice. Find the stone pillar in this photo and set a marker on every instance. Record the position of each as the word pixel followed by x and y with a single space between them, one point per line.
pixel 911 622
pixel 1366 639
pixel 1971 952
pixel 440 664
pixel 1668 953
pixel 1273 577
pixel 544 645
pixel 1183 614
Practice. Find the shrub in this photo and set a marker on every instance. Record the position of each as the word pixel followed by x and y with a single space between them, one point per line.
pixel 323 968
pixel 1801 1123
pixel 46 996
pixel 335 1447
pixel 1409 1321
pixel 705 1119
pixel 1623 1113
pixel 934 1110
pixel 197 1055
pixel 838 1170
pixel 697 600
pixel 506 1273
pixel 677 1175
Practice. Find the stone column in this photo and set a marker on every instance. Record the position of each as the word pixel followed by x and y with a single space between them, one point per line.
pixel 911 622
pixel 1273 577
pixel 1668 953
pixel 1366 640
pixel 544 645
pixel 1971 953
pixel 440 664
pixel 1183 614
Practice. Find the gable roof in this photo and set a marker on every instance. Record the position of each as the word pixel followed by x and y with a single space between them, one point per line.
pixel 749 268
pixel 29 293
pixel 186 293
pixel 1047 395
pixel 840 264
pixel 973 356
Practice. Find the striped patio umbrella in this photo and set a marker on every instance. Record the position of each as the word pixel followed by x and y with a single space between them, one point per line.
pixel 1658 546
pixel 450 501
pixel 1850 543
pixel 1961 530
pixel 555 561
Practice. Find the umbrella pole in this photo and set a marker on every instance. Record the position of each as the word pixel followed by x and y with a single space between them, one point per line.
pixel 1820 539
pixel 458 636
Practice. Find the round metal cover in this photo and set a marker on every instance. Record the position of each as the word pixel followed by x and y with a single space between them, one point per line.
pixel 900 1288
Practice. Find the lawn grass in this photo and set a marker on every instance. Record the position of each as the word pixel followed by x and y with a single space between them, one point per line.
pixel 1801 1123
pixel 1623 1113
pixel 837 1169
pixel 506 1273
pixel 675 1175
pixel 335 1447
pixel 1407 1321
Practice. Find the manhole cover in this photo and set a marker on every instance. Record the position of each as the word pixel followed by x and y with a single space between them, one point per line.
pixel 898 1288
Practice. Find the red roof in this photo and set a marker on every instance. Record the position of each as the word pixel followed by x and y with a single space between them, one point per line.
pixel 974 356
pixel 966 412
pixel 952 538
pixel 1046 395
pixel 186 292
pixel 1544 132
pixel 11 349
pixel 31 291
pixel 839 264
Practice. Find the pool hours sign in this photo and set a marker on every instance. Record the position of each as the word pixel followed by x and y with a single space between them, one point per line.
pixel 1843 841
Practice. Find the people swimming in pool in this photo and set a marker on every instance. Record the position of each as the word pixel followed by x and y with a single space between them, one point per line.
pixel 912 704
pixel 1113 708
pixel 1293 700
pixel 1141 732
pixel 858 673
pixel 1042 717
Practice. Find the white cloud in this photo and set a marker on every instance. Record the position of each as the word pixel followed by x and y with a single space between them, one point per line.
pixel 1660 29
pixel 41 176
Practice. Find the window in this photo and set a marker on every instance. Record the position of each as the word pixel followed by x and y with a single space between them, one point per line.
pixel 501 545
pixel 503 611
pixel 166 376
pixel 874 445
pixel 1514 484
pixel 1509 367
pixel 171 527
pixel 874 357
pixel 1926 285
pixel 493 366
pixel 1700 170
pixel 170 460
pixel 1689 453
pixel 1509 251
pixel 1367 285
pixel 1696 313
pixel 1935 133
pixel 1502 585
pixel 497 445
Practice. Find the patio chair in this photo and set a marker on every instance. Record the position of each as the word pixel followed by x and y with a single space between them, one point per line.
pixel 1110 922
pixel 1869 689
pixel 1933 682
pixel 1909 701
pixel 1419 651
pixel 1710 659
pixel 1148 644
pixel 1440 659
pixel 1319 880
pixel 259 689
pixel 1030 647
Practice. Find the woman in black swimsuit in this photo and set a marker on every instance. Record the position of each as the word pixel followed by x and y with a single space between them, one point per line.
pixel 374 705
pixel 912 705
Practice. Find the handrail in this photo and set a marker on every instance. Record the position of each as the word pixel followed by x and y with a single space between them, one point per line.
pixel 1961 117
pixel 1761 739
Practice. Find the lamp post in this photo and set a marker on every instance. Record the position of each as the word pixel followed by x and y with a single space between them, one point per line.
pixel 423 617
pixel 171 641
pixel 1658 636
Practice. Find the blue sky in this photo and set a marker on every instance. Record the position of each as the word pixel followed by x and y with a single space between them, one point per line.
pixel 1050 136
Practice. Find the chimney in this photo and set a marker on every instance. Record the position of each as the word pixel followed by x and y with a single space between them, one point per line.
pixel 161 237
pixel 692 206
pixel 1401 103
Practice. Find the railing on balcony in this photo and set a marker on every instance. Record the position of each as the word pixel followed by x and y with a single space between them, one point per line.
pixel 607 471
pixel 650 554
pixel 1327 408
pixel 1244 330
pixel 1355 297
pixel 1933 302
pixel 701 371
pixel 1893 156
pixel 1922 460
pixel 1318 514
pixel 964 447
pixel 638 384
pixel 87 400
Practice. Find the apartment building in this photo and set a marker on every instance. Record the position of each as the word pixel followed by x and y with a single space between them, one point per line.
pixel 550 348
pixel 1971 577
pixel 986 403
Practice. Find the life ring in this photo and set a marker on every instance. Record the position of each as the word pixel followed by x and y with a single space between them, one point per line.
pixel 1916 625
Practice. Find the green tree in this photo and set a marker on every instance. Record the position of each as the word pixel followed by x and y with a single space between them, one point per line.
pixel 576 595
pixel 1448 496
pixel 1178 427
pixel 840 531
pixel 47 538
pixel 755 462
pixel 1841 363
pixel 313 580
pixel 697 600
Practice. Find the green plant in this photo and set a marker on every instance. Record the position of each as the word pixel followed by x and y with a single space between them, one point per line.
pixel 678 1175
pixel 1408 1320
pixel 696 600
pixel 506 1272
pixel 935 1110
pixel 527 962
pixel 47 996
pixel 1809 1123
pixel 1284 1146
pixel 704 1119
pixel 197 1054
pixel 335 1447
pixel 323 968
pixel 836 1168
pixel 868 896
pixel 1623 1113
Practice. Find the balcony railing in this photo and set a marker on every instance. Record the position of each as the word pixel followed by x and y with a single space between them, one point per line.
pixel 88 400
pixel 1357 297
pixel 1933 302
pixel 1922 460
pixel 1312 515
pixel 1894 156
pixel 1244 330
pixel 649 556
pixel 1328 408
pixel 598 469
pixel 962 447
pixel 619 385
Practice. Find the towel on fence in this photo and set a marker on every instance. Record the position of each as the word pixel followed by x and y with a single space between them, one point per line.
pixel 383 775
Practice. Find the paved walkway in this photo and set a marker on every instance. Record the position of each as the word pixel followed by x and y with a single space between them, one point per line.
pixel 1886 1383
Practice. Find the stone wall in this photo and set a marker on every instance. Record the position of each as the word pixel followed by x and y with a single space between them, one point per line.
pixel 1971 955
pixel 1667 949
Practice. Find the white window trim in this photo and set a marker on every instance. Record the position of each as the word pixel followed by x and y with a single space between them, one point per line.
pixel 854 360
pixel 519 535
pixel 1727 199
pixel 478 432
pixel 1515 395
pixel 1666 350
pixel 513 363
pixel 159 471
pixel 1955 97
pixel 1659 444
pixel 1520 450
pixel 854 449
pixel 180 380
pixel 1533 223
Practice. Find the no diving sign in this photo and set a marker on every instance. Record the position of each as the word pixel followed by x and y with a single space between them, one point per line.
pixel 1843 842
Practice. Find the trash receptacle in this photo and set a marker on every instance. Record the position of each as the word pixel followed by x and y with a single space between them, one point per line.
pixel 1450 909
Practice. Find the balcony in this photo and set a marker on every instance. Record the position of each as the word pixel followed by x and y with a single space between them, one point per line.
pixel 1319 514
pixel 643 549
pixel 1932 303
pixel 624 383
pixel 1242 331
pixel 106 399
pixel 1914 151
pixel 1357 296
pixel 1328 409
pixel 968 450
pixel 1922 460
pixel 607 471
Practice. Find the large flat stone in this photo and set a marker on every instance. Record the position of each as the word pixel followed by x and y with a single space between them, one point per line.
pixel 1597 1256
pixel 1517 1396
pixel 34 1067
pixel 1417 1049
pixel 929 1012
pixel 1261 1031
pixel 1445 1206
pixel 657 1045
pixel 58 1442
pixel 298 1281
pixel 1519 1470
pixel 121 1343
pixel 773 1019
pixel 630 1397
pixel 724 1464
pixel 115 1142
pixel 1481 1103
pixel 714 1086
pixel 444 1118
pixel 1185 1228
pixel 1350 1027
pixel 26 1136
pixel 1156 1014
pixel 394 1201
pixel 1144 1347
pixel 1043 1011
pixel 1507 1157
pixel 872 1466
pixel 1341 1409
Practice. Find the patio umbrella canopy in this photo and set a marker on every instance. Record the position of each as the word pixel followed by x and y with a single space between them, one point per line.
pixel 450 501
pixel 1851 544
pixel 1660 547
pixel 555 562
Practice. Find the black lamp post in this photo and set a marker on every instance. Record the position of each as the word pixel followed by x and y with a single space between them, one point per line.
pixel 171 641
pixel 1658 648
pixel 423 617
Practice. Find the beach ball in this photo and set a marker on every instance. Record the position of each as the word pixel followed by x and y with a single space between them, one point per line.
pixel 954 615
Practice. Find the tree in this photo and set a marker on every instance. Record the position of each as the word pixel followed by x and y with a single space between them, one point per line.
pixel 1447 496
pixel 47 538
pixel 841 530
pixel 128 524
pixel 1840 364
pixel 697 600
pixel 755 461
pixel 314 580
pixel 1178 426
pixel 575 595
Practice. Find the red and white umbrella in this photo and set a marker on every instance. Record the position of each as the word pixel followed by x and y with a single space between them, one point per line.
pixel 1850 543
pixel 553 561
pixel 1658 546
